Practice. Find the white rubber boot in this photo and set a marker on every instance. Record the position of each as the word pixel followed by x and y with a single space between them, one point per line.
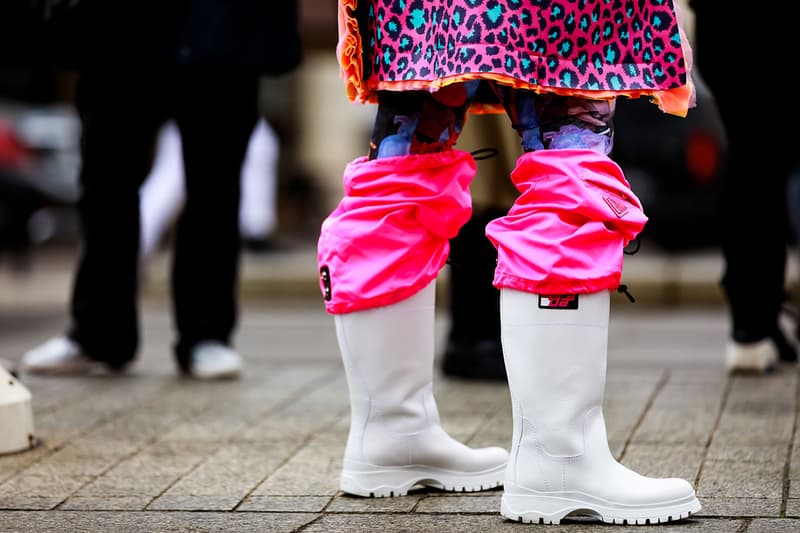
pixel 16 415
pixel 560 461
pixel 395 439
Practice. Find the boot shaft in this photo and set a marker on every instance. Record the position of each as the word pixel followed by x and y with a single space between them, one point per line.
pixel 388 360
pixel 556 362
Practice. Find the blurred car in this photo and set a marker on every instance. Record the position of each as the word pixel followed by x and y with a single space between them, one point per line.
pixel 39 132
pixel 39 161
pixel 674 166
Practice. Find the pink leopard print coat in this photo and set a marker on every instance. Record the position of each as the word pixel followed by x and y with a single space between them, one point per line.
pixel 597 48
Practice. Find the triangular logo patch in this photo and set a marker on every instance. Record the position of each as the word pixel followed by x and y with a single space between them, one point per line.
pixel 616 205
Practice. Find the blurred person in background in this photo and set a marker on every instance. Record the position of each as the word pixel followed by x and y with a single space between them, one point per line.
pixel 761 155
pixel 473 349
pixel 140 64
pixel 163 194
pixel 556 70
pixel 37 140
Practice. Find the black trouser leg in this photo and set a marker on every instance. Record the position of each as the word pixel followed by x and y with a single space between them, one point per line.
pixel 119 124
pixel 216 120
pixel 473 348
pixel 755 224
pixel 754 247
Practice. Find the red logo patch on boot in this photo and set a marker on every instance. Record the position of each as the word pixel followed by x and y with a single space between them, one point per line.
pixel 558 301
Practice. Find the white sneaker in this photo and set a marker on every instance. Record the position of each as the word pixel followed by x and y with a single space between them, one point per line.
pixel 752 357
pixel 214 360
pixel 58 356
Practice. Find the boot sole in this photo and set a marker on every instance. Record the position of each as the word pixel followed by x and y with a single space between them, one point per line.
pixel 529 507
pixel 383 482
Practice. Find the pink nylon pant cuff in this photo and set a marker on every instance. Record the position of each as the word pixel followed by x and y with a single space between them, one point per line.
pixel 566 231
pixel 389 236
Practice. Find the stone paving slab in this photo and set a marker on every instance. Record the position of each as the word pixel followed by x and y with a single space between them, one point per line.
pixel 150 451
pixel 137 522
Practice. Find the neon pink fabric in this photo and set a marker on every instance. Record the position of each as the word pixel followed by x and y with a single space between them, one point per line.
pixel 389 236
pixel 566 231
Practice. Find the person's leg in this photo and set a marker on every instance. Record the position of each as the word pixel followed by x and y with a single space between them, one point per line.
pixel 560 253
pixel 754 246
pixel 473 349
pixel 216 113
pixel 119 118
pixel 379 253
pixel 753 206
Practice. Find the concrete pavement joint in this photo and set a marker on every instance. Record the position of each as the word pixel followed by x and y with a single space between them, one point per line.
pixel 662 381
pixel 725 394
pixel 788 463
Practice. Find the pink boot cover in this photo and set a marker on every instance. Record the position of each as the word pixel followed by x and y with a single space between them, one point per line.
pixel 389 236
pixel 566 231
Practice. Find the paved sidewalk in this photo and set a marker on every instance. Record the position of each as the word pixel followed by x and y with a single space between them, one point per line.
pixel 149 451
